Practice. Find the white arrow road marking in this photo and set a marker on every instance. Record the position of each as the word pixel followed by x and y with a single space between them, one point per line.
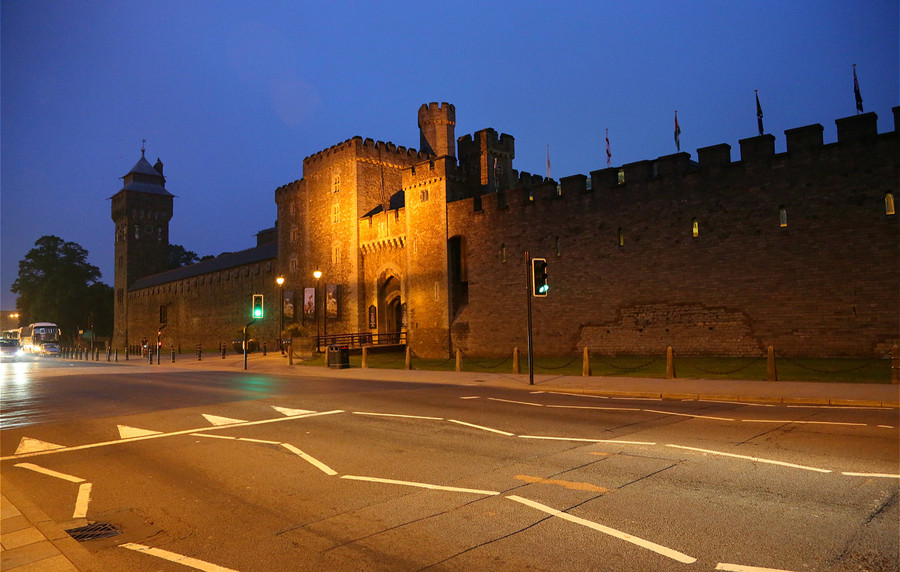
pixel 49 472
pixel 194 563
pixel 126 432
pixel 291 412
pixel 311 460
pixel 668 552
pixel 218 421
pixel 29 445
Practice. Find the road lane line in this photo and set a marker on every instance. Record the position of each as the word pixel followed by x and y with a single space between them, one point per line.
pixel 420 485
pixel 804 422
pixel 880 475
pixel 397 415
pixel 507 433
pixel 172 434
pixel 741 568
pixel 49 472
pixel 594 407
pixel 748 458
pixel 471 397
pixel 311 460
pixel 516 402
pixel 583 395
pixel 81 502
pixel 194 563
pixel 659 549
pixel 214 436
pixel 689 415
pixel 571 485
pixel 586 440
pixel 259 441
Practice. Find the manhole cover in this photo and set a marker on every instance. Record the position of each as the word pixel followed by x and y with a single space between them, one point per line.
pixel 94 531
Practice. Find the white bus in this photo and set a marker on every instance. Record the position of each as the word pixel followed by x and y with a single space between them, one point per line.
pixel 33 335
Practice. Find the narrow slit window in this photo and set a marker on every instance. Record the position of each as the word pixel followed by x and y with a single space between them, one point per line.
pixel 558 247
pixel 695 228
pixel 621 176
pixel 782 217
pixel 621 236
pixel 889 204
pixel 503 253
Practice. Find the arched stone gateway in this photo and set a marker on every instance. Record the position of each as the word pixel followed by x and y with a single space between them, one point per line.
pixel 390 304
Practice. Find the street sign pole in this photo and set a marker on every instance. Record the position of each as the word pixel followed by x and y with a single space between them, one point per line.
pixel 528 298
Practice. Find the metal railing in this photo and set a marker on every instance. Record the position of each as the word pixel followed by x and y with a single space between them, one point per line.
pixel 360 339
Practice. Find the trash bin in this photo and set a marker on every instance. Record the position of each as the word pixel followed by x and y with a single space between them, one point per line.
pixel 338 356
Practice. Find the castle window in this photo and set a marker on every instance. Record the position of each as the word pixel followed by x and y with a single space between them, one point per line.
pixel 695 228
pixel 336 254
pixel 559 189
pixel 782 217
pixel 294 265
pixel 503 253
pixel 293 208
pixel 889 204
pixel 558 247
pixel 423 195
pixel 621 179
pixel 589 184
pixel 336 183
pixel 621 236
pixel 158 232
pixel 335 213
pixel 294 233
pixel 137 231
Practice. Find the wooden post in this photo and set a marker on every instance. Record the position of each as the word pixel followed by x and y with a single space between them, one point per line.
pixel 771 372
pixel 670 363
pixel 290 351
pixel 515 360
pixel 586 364
pixel 408 364
pixel 365 358
pixel 458 360
pixel 895 364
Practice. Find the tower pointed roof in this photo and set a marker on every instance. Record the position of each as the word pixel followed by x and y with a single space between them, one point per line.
pixel 144 178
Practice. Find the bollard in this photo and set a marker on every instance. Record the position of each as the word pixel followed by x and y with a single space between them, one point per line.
pixel 670 363
pixel 264 348
pixel 199 353
pixel 771 373
pixel 223 351
pixel 458 360
pixel 117 355
pixel 895 364
pixel 150 355
pixel 515 360
pixel 586 364
pixel 290 352
pixel 365 358
pixel 173 354
pixel 408 364
pixel 126 353
pixel 108 354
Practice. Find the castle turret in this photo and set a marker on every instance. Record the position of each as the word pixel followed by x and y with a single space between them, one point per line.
pixel 437 125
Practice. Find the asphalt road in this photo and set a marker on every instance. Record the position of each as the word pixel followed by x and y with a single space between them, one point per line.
pixel 248 471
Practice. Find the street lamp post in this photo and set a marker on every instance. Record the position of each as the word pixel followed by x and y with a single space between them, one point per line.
pixel 317 274
pixel 280 282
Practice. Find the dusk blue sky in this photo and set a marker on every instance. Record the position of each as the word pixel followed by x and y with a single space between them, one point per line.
pixel 233 95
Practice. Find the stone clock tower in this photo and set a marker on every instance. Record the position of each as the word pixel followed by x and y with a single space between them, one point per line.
pixel 141 211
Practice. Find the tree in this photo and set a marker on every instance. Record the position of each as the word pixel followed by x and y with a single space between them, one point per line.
pixel 179 257
pixel 57 284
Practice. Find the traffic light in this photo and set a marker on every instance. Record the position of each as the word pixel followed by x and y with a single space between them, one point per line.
pixel 257 312
pixel 539 277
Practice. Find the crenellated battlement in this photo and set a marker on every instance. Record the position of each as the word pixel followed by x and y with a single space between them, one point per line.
pixel 367 149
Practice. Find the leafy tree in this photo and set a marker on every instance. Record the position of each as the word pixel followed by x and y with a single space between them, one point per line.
pixel 57 284
pixel 179 257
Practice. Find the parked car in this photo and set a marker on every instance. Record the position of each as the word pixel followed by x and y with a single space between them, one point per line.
pixel 10 350
pixel 49 349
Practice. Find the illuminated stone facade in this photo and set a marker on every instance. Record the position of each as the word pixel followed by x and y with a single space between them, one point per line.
pixel 799 250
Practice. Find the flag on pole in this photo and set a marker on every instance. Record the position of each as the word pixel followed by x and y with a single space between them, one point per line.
pixel 759 113
pixel 548 161
pixel 859 106
pixel 608 152
pixel 677 133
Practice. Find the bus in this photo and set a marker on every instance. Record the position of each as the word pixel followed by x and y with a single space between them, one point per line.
pixel 10 334
pixel 33 335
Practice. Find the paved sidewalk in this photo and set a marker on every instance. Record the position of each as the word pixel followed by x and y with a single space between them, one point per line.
pixel 30 541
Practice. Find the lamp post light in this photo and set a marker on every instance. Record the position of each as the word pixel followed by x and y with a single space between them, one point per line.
pixel 280 282
pixel 317 274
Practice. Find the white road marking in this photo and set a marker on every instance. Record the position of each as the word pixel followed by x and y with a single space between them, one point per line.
pixel 214 436
pixel 507 433
pixel 689 415
pixel 49 472
pixel 81 503
pixel 536 392
pixel 748 458
pixel 291 412
pixel 659 549
pixel 595 407
pixel 637 398
pixel 885 426
pixel 804 422
pixel 126 432
pixel 840 407
pixel 737 403
pixel 397 415
pixel 29 445
pixel 880 475
pixel 471 397
pixel 216 420
pixel 259 441
pixel 516 402
pixel 172 434
pixel 586 440
pixel 177 558
pixel 309 459
pixel 742 568
pixel 420 485
pixel 584 395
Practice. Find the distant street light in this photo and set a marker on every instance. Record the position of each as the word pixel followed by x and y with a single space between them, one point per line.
pixel 317 274
pixel 280 282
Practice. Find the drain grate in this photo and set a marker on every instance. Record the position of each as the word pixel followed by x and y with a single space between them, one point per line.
pixel 94 531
